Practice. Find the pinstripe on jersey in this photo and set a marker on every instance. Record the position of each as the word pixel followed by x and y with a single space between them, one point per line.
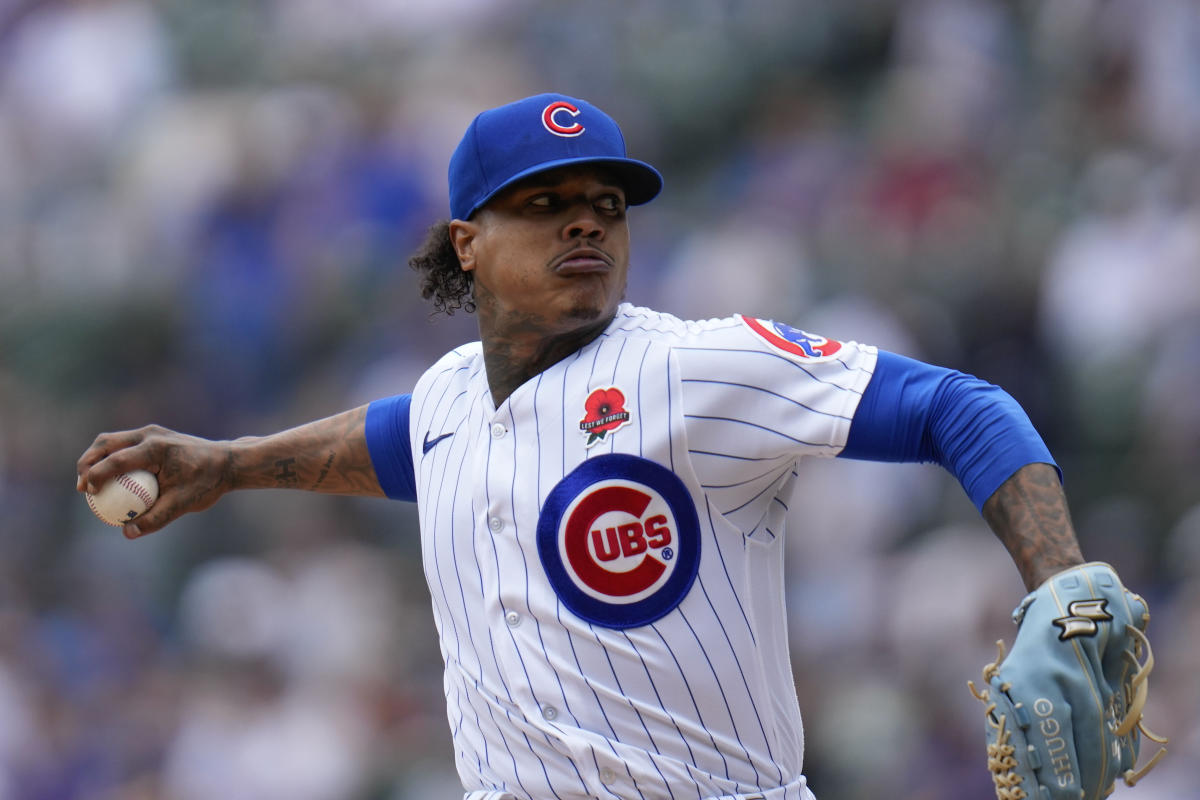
pixel 699 702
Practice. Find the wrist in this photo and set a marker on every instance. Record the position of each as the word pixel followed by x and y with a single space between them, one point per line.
pixel 242 461
pixel 1043 571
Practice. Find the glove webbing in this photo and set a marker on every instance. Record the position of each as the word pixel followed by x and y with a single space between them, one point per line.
pixel 1136 691
pixel 1001 761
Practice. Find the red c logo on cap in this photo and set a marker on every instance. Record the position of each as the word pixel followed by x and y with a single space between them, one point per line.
pixel 549 112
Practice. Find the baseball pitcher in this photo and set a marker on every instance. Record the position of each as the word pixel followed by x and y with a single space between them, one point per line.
pixel 602 491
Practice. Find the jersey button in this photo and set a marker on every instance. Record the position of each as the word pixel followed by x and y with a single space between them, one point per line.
pixel 513 619
pixel 549 713
pixel 607 776
pixel 495 523
pixel 498 430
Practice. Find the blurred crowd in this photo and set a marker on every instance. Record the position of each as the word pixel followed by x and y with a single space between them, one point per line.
pixel 205 211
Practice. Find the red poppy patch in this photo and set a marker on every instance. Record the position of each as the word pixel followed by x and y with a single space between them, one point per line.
pixel 604 412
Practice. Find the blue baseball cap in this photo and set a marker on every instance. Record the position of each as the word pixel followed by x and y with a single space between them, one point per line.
pixel 505 144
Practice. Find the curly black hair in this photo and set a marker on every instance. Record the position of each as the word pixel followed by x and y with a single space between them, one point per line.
pixel 442 277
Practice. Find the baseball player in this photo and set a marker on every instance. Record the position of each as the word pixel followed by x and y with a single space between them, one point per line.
pixel 602 488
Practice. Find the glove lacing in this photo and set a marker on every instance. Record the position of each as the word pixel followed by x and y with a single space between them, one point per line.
pixel 1136 690
pixel 1001 761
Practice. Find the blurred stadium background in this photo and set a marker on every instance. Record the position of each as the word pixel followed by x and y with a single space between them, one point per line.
pixel 205 211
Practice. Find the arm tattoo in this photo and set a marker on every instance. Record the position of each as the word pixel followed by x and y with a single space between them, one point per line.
pixel 329 455
pixel 1028 513
pixel 324 470
pixel 286 476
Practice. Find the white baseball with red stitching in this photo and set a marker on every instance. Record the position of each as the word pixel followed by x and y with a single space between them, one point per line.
pixel 125 497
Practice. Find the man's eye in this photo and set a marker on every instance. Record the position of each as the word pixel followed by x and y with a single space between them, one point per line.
pixel 610 202
pixel 542 200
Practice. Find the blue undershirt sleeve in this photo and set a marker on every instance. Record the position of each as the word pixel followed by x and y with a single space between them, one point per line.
pixel 389 446
pixel 917 412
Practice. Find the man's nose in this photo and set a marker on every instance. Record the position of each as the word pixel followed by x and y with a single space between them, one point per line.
pixel 585 223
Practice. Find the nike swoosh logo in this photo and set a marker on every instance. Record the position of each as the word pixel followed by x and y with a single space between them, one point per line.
pixel 429 444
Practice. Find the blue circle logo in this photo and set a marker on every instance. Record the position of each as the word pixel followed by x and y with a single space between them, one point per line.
pixel 619 540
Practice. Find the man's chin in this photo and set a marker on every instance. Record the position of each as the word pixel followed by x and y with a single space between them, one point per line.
pixel 585 307
pixel 585 313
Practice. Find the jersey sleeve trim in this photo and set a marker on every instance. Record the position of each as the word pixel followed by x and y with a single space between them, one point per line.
pixel 917 412
pixel 390 447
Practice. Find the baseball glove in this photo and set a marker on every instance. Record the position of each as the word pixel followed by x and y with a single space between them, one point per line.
pixel 1064 707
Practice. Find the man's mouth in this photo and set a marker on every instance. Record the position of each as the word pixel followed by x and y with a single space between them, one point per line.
pixel 580 262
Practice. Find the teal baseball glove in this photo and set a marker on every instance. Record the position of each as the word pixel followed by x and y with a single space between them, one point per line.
pixel 1064 707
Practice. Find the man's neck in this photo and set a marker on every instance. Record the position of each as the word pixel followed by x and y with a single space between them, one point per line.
pixel 515 352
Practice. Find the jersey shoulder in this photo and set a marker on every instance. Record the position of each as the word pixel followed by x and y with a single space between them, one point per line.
pixel 738 332
pixel 466 359
pixel 641 322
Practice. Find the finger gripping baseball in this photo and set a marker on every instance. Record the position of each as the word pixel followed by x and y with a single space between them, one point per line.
pixel 1063 709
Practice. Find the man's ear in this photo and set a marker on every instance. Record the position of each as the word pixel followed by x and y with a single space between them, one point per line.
pixel 462 238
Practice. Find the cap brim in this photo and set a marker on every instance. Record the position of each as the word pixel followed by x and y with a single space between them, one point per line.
pixel 641 182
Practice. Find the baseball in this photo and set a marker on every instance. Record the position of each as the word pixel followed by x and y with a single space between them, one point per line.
pixel 125 497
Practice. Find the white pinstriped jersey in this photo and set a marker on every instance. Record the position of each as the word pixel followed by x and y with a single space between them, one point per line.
pixel 604 553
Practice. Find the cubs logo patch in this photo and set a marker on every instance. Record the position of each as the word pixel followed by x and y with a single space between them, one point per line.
pixel 553 117
pixel 791 341
pixel 619 540
pixel 604 412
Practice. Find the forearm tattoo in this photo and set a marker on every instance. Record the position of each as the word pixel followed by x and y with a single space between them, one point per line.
pixel 1028 513
pixel 286 475
pixel 324 470
pixel 329 455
